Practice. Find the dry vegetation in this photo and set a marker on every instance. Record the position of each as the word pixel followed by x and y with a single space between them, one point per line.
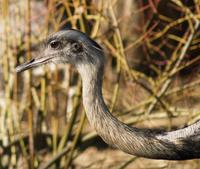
pixel 151 79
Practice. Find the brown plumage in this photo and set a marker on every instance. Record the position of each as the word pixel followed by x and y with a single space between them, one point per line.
pixel 74 47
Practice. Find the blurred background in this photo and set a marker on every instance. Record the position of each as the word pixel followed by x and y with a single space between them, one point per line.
pixel 151 80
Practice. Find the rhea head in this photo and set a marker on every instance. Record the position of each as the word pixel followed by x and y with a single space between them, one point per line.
pixel 68 46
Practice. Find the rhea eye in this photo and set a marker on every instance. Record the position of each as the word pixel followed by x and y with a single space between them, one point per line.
pixel 55 44
pixel 77 47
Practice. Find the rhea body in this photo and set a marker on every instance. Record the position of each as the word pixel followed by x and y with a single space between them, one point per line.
pixel 76 48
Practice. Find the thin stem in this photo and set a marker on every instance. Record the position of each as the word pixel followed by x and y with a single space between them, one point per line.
pixel 30 113
pixel 75 141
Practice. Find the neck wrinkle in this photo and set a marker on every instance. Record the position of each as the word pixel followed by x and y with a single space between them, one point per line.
pixel 95 107
pixel 92 94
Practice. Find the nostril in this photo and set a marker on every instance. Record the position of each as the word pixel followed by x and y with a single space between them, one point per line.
pixel 32 60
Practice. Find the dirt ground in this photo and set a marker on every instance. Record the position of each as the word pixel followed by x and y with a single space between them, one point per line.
pixel 114 159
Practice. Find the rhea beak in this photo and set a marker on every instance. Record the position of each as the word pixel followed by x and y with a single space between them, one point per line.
pixel 33 63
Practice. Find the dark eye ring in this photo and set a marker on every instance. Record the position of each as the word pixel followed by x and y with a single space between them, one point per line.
pixel 76 47
pixel 55 44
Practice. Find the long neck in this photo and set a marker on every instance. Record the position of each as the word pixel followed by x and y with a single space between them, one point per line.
pixel 141 142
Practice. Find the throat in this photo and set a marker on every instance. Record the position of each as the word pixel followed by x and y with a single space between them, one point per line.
pixel 92 97
pixel 106 125
pixel 95 107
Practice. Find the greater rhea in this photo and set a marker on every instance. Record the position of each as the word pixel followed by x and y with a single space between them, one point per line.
pixel 76 48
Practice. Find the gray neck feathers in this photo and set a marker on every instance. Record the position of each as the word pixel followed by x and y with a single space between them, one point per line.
pixel 174 145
